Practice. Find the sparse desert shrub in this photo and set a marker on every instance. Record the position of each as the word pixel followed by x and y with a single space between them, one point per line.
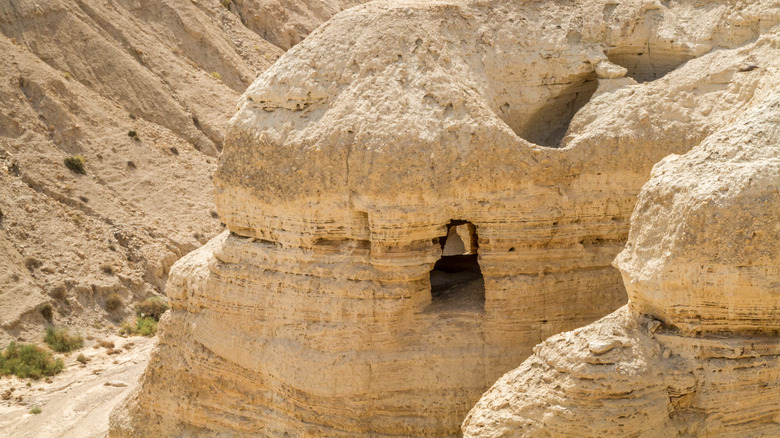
pixel 146 326
pixel 82 359
pixel 152 307
pixel 32 263
pixel 216 75
pixel 106 344
pixel 127 329
pixel 76 164
pixel 133 134
pixel 46 311
pixel 226 4
pixel 27 360
pixel 60 340
pixel 35 410
pixel 113 302
pixel 58 292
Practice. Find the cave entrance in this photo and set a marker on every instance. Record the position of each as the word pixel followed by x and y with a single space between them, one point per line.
pixel 456 279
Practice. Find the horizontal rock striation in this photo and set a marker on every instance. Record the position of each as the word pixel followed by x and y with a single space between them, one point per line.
pixel 696 352
pixel 330 307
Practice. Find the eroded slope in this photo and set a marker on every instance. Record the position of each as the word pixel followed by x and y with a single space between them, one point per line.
pixel 76 79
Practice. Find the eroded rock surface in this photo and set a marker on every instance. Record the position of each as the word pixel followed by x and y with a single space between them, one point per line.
pixel 285 23
pixel 329 309
pixel 696 352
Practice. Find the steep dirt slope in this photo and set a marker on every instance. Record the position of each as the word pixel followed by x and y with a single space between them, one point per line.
pixel 77 78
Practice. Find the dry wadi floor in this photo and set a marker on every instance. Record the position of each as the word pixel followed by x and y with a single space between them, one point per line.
pixel 75 403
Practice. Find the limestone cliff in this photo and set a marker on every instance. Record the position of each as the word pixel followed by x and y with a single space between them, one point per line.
pixel 519 133
pixel 696 352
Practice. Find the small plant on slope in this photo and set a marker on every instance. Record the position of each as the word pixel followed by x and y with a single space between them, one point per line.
pixel 152 307
pixel 76 164
pixel 113 302
pixel 62 341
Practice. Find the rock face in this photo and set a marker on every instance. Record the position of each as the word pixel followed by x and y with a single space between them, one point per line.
pixel 696 352
pixel 396 136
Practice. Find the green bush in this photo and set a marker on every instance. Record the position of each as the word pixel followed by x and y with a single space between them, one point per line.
pixel 76 164
pixel 35 410
pixel 82 359
pixel 144 326
pixel 152 307
pixel 62 341
pixel 27 360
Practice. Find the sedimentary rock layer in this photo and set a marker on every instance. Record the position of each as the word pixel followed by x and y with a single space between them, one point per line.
pixel 696 352
pixel 328 308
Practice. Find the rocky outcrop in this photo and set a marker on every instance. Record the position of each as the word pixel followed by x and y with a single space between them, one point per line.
pixel 394 134
pixel 697 350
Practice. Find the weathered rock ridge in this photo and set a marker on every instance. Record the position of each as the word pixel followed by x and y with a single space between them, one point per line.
pixel 696 352
pixel 521 132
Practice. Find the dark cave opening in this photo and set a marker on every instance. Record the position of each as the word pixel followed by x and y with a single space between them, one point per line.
pixel 456 280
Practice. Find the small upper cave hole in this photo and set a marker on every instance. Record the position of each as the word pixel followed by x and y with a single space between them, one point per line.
pixel 645 64
pixel 456 279
pixel 546 124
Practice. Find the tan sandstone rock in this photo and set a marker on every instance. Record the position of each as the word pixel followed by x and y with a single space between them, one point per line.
pixel 285 23
pixel 703 257
pixel 329 309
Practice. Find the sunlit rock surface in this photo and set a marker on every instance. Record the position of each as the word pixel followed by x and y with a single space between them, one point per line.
pixel 524 129
pixel 696 352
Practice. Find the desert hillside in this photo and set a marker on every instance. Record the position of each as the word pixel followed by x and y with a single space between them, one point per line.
pixel 142 91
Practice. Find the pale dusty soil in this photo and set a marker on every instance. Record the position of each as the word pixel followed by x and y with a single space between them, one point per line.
pixel 77 402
